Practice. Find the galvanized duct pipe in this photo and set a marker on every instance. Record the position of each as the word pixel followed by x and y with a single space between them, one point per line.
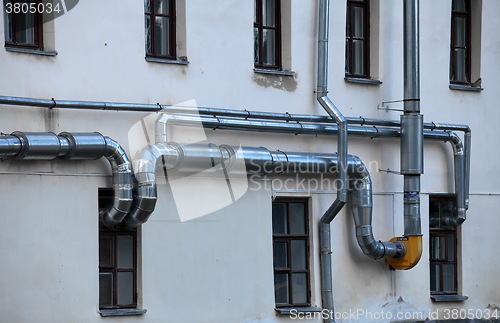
pixel 259 161
pixel 460 155
pixel 48 146
pixel 412 160
pixel 246 114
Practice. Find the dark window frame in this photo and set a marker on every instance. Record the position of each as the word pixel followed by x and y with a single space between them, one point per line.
pixel 350 68
pixel 287 238
pixel 105 199
pixel 443 232
pixel 259 42
pixel 467 14
pixel 172 42
pixel 37 28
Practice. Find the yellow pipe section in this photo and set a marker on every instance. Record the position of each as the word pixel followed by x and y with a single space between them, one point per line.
pixel 413 245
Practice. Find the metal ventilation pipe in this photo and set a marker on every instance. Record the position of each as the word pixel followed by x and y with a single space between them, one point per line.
pixel 48 146
pixel 259 161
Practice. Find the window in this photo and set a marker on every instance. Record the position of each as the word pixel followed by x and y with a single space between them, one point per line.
pixel 443 245
pixel 357 42
pixel 117 263
pixel 460 56
pixel 23 30
pixel 267 34
pixel 160 17
pixel 291 252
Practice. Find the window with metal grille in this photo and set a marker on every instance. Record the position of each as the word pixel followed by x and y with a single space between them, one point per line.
pixel 291 252
pixel 117 263
pixel 357 42
pixel 443 245
pixel 460 54
pixel 160 19
pixel 23 29
pixel 267 34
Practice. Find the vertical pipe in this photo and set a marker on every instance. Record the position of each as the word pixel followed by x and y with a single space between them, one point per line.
pixel 467 148
pixel 331 109
pixel 411 121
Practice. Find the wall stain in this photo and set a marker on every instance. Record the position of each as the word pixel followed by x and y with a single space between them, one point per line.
pixel 284 83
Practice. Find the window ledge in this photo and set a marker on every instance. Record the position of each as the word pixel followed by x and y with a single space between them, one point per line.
pixel 273 72
pixel 166 61
pixel 122 312
pixel 30 51
pixel 449 298
pixel 465 88
pixel 295 310
pixel 362 80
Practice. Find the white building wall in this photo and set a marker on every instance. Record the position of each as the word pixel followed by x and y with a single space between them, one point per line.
pixel 219 268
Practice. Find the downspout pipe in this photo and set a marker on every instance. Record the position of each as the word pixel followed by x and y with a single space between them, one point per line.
pixel 49 146
pixel 334 112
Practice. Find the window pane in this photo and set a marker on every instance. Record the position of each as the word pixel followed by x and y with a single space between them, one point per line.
pixel 25 28
pixel 347 56
pixel 256 45
pixel 149 49
pixel 162 36
pixel 105 252
pixel 279 218
pixel 297 218
pixel 299 288
pixel 435 276
pixel 438 248
pixel 358 56
pixel 281 288
pixel 105 289
pixel 448 278
pixel 460 64
pixel 269 12
pixel 433 214
pixel 269 44
pixel 451 247
pixel 298 254
pixel 125 247
pixel 280 255
pixel 147 5
pixel 7 28
pixel 460 31
pixel 125 286
pixel 459 5
pixel 358 23
pixel 162 7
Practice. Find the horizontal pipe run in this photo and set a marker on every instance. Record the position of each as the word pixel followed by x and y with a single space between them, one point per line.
pixel 216 112
pixel 49 146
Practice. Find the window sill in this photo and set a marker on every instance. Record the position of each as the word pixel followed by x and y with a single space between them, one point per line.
pixel 449 298
pixel 122 312
pixel 465 88
pixel 295 310
pixel 273 72
pixel 166 61
pixel 30 51
pixel 362 81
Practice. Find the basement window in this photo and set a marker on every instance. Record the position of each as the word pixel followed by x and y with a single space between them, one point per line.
pixel 117 267
pixel 292 287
